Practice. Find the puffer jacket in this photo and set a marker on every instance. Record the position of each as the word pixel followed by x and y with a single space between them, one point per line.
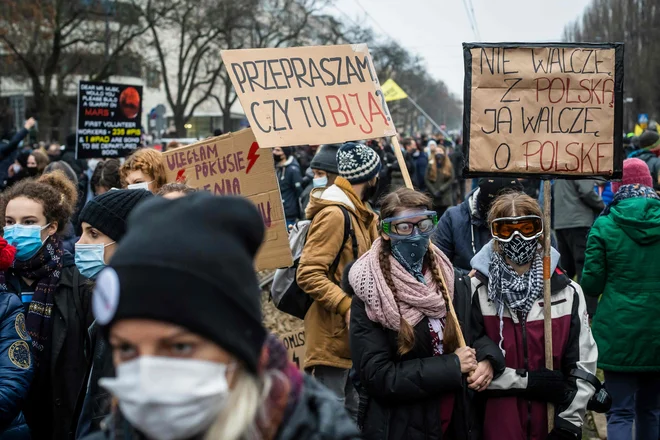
pixel 318 415
pixel 620 247
pixel 509 415
pixel 461 233
pixel 16 368
pixel 325 326
pixel 402 394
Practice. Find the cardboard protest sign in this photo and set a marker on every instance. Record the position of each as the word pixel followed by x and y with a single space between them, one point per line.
pixel 295 345
pixel 109 120
pixel 309 95
pixel 232 165
pixel 543 109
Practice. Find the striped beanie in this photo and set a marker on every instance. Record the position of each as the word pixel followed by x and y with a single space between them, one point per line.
pixel 357 163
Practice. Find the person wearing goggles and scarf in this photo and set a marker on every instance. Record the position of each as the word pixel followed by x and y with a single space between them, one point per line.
pixel 55 296
pixel 508 299
pixel 183 317
pixel 404 342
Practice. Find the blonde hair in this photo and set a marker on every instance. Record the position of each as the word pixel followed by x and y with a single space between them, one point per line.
pixel 245 408
pixel 150 162
pixel 447 167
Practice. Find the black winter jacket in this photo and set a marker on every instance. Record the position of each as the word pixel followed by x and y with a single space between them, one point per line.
pixel 403 392
pixel 460 235
pixel 318 415
pixel 290 178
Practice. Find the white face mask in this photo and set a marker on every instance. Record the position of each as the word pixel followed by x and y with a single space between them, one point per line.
pixel 142 185
pixel 168 398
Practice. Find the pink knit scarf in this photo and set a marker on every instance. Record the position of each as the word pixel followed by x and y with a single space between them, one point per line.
pixel 415 299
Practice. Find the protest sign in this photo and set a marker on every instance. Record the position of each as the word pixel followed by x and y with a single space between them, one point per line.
pixel 295 346
pixel 309 95
pixel 543 109
pixel 109 120
pixel 233 165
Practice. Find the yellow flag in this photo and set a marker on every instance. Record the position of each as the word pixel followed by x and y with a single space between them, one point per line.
pixel 392 91
pixel 638 129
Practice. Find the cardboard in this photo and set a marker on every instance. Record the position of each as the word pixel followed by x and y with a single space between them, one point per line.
pixel 109 120
pixel 544 110
pixel 295 346
pixel 309 95
pixel 233 165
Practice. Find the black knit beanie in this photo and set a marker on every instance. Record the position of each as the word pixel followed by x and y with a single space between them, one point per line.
pixel 649 139
pixel 190 262
pixel 325 159
pixel 109 211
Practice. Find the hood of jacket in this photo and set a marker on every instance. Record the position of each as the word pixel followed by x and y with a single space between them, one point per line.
pixel 639 218
pixel 341 193
pixel 481 261
pixel 645 155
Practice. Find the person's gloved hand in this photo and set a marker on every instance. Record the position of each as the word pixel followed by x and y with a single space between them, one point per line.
pixel 548 386
pixel 7 254
pixel 562 434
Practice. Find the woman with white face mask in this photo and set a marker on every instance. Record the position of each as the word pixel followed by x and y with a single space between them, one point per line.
pixel 56 298
pixel 144 169
pixel 183 318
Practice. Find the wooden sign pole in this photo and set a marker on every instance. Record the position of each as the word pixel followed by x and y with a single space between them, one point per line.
pixel 547 274
pixel 402 162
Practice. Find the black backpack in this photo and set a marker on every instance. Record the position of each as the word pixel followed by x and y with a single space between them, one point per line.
pixel 287 296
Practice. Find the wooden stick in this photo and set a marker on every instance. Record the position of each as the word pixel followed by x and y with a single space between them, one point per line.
pixel 547 300
pixel 402 162
pixel 450 307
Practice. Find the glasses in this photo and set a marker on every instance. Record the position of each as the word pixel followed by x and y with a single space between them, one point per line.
pixel 407 228
pixel 528 227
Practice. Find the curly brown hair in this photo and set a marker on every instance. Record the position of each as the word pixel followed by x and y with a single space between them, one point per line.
pixel 391 204
pixel 150 162
pixel 54 191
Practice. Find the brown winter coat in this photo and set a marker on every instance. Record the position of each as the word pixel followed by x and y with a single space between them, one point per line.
pixel 325 328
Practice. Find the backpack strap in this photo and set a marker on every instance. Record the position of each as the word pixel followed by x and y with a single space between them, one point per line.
pixel 348 232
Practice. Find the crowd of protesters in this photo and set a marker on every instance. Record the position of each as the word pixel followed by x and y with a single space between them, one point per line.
pixel 130 308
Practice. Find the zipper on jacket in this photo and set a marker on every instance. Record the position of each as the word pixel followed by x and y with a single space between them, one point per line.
pixel 523 322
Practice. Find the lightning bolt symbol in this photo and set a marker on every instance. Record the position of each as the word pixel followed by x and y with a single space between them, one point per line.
pixel 296 360
pixel 180 176
pixel 252 156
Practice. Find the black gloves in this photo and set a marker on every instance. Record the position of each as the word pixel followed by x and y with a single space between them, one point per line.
pixel 548 386
pixel 562 434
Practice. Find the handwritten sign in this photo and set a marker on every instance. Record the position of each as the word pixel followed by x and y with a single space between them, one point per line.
pixel 233 165
pixel 309 95
pixel 544 109
pixel 295 345
pixel 109 120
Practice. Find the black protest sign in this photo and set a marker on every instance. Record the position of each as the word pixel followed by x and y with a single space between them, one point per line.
pixel 543 109
pixel 109 120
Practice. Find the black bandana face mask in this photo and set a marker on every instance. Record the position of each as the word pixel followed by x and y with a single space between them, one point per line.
pixel 519 250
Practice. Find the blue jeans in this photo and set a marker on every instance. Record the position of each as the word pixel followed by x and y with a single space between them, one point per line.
pixel 635 398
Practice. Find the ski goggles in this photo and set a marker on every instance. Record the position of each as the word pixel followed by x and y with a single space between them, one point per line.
pixel 406 229
pixel 528 227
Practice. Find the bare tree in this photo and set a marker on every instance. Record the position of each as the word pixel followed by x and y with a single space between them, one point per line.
pixel 53 41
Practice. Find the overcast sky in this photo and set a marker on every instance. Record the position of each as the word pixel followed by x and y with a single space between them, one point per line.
pixel 435 29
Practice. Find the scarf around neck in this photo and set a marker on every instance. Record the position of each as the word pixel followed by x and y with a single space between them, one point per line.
pixel 412 300
pixel 45 269
pixel 518 292
pixel 629 192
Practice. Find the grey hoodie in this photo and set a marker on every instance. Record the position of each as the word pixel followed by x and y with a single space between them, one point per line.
pixel 576 203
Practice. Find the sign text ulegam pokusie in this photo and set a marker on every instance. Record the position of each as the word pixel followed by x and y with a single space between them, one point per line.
pixel 109 120
pixel 309 95
pixel 231 165
pixel 544 109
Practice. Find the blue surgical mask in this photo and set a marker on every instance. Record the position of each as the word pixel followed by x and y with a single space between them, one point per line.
pixel 320 182
pixel 410 251
pixel 90 259
pixel 25 238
